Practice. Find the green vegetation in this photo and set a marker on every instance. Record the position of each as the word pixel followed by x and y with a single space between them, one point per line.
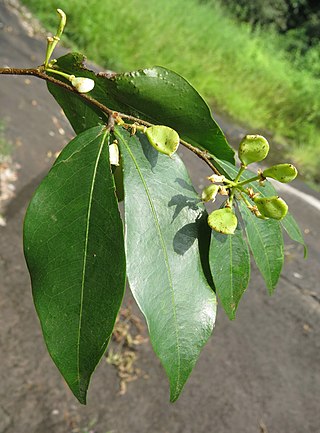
pixel 240 72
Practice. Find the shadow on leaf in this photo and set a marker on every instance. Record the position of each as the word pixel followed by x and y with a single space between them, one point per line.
pixel 185 237
pixel 150 152
pixel 181 201
pixel 184 184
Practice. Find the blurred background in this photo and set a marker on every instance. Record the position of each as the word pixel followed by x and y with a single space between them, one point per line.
pixel 254 60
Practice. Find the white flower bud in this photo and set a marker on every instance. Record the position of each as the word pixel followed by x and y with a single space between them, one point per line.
pixel 214 178
pixel 114 154
pixel 82 84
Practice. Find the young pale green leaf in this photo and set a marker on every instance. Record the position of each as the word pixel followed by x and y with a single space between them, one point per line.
pixel 266 243
pixel 230 265
pixel 155 94
pixel 165 221
pixel 74 247
pixel 291 227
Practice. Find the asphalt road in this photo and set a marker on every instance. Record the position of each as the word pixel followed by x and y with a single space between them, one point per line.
pixel 259 373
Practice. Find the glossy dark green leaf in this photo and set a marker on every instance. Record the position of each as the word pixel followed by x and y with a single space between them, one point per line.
pixel 266 243
pixel 155 94
pixel 291 227
pixel 81 114
pixel 165 229
pixel 230 266
pixel 74 247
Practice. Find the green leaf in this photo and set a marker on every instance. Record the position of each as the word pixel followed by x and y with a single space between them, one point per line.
pixel 291 227
pixel 165 229
pixel 230 266
pixel 155 94
pixel 74 247
pixel 266 243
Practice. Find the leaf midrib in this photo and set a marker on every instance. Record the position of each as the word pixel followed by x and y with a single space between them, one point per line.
pixel 166 259
pixel 231 273
pixel 264 253
pixel 85 253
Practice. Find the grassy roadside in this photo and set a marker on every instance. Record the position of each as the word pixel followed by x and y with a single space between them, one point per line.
pixel 245 75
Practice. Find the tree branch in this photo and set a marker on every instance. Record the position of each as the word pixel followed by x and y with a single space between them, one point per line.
pixel 40 73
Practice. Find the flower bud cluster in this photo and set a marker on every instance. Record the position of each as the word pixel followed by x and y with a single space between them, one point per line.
pixel 253 148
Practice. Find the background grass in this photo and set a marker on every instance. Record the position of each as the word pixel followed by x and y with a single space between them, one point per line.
pixel 242 73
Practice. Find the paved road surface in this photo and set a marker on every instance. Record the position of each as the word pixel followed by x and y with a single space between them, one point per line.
pixel 259 373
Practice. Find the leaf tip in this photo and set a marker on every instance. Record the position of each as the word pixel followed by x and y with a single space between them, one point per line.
pixel 174 396
pixel 82 400
pixel 175 389
pixel 80 394
pixel 230 310
pixel 305 252
pixel 271 290
pixel 231 315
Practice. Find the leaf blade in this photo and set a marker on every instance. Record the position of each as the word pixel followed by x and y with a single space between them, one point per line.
pixel 168 282
pixel 293 230
pixel 75 278
pixel 266 243
pixel 230 266
pixel 155 94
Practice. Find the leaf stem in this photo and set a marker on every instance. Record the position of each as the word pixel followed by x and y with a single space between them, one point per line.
pixel 56 71
pixel 241 170
pixel 252 179
pixel 40 72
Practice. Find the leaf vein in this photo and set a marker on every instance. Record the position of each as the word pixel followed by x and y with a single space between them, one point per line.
pixel 85 253
pixel 166 260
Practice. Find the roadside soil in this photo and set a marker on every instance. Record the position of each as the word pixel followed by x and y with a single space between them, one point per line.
pixel 259 373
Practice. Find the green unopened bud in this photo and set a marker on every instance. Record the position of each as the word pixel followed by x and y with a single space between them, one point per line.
pixel 253 148
pixel 166 140
pixel 210 192
pixel 63 21
pixel 271 207
pixel 283 173
pixel 82 84
pixel 223 221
